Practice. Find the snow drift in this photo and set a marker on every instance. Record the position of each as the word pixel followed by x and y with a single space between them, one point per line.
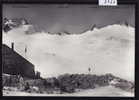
pixel 108 91
pixel 106 50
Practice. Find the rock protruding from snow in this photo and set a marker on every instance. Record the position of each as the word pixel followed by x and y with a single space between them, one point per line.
pixel 92 28
pixel 9 24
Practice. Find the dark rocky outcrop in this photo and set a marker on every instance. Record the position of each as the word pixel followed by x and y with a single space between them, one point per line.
pixel 69 83
pixel 9 24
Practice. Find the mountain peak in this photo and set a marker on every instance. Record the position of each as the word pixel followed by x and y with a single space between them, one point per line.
pixel 9 24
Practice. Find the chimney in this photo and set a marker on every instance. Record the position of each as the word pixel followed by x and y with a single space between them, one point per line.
pixel 12 45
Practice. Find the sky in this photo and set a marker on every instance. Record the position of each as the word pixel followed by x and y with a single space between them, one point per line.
pixel 68 17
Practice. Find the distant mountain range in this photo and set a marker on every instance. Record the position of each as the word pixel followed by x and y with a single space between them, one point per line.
pixel 9 24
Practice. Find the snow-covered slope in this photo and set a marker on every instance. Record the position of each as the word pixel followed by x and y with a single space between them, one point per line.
pixel 106 50
pixel 107 91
